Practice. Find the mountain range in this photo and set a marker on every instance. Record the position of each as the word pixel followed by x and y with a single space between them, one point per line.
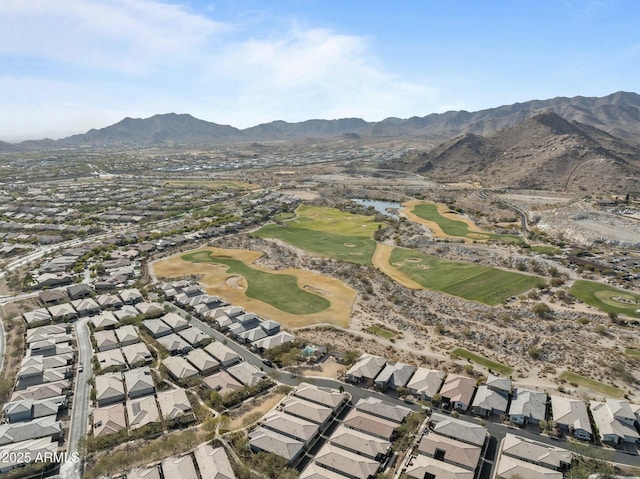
pixel 543 152
pixel 617 114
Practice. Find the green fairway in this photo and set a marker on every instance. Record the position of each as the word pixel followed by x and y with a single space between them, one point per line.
pixel 482 361
pixel 632 352
pixel 548 250
pixel 470 281
pixel 380 331
pixel 454 227
pixel 328 232
pixel 591 384
pixel 607 298
pixel 279 290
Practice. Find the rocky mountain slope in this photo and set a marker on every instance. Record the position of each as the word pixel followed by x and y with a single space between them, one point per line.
pixel 617 114
pixel 545 151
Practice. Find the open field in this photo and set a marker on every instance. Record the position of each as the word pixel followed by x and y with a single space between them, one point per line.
pixel 213 184
pixel 592 384
pixel 328 232
pixel 632 352
pixel 494 366
pixel 469 281
pixel 447 224
pixel 307 298
pixel 607 298
pixel 380 331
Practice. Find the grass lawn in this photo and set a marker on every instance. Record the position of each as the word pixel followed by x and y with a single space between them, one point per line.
pixel 607 298
pixel 456 227
pixel 466 280
pixel 482 361
pixel 380 331
pixel 591 384
pixel 328 232
pixel 548 250
pixel 279 290
pixel 632 352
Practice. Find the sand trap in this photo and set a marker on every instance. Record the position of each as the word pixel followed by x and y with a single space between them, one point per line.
pixel 236 282
pixel 413 260
pixel 315 290
pixel 349 245
pixel 398 265
pixel 355 254
pixel 424 266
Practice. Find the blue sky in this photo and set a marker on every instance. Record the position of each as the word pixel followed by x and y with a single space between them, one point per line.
pixel 72 65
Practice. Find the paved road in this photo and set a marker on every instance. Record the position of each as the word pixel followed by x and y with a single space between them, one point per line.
pixel 80 407
pixel 524 221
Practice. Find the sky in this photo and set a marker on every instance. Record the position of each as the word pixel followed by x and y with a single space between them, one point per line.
pixel 67 66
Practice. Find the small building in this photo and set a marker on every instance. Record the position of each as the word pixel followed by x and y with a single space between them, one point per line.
pixel 571 416
pixel 615 421
pixel 266 440
pixel 109 301
pixel 222 382
pixel 213 462
pixel 46 426
pixel 157 328
pixel 457 391
pixel 142 411
pixel 377 407
pixel 175 406
pixel 194 336
pixel 37 317
pixel 131 296
pixel 246 373
pixel 366 369
pixel 175 322
pixel 105 340
pixel 488 402
pixel 105 320
pixel 127 335
pixel 368 424
pixel 63 312
pixel 109 389
pixel 174 344
pixel 79 290
pixel 270 342
pixel 202 361
pixel 111 359
pixel 139 382
pixel 181 467
pixel 321 395
pixel 463 431
pixel 108 420
pixel 179 368
pixel 86 306
pixel 394 376
pixel 347 463
pixel 425 383
pixel 527 406
pixel 137 355
pixel 361 443
pixel 223 353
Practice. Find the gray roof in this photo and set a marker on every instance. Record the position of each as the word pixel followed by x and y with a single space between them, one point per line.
pixel 23 431
pixel 489 400
pixel 367 367
pixel 528 403
pixel 379 408
pixel 396 375
pixel 270 441
pixel 460 430
pixel 213 462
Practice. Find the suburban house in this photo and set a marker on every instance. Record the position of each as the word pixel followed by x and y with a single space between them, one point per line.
pixel 274 341
pixel 28 409
pixel 452 451
pixel 142 411
pixel 246 373
pixel 46 426
pixel 427 467
pixel 361 443
pixel 125 312
pixel 130 296
pixel 52 296
pixel 300 408
pixel 137 355
pixel 377 407
pixel 80 290
pixel 112 358
pixel 149 308
pixel 109 389
pixel 105 340
pixel 175 406
pixel 157 328
pixel 320 395
pixel 105 320
pixel 527 406
pixel 366 423
pixel 86 306
pixel 425 383
pixel 144 473
pixel 522 457
pixel 179 368
pixel 63 312
pixel 291 426
pixel 452 428
pixel 270 327
pixel 571 416
pixel 222 382
pixel 615 421
pixel 16 454
pixel 267 440
pixel 139 382
pixel 366 369
pixel 109 301
pixel 457 391
pixel 202 361
pixel 179 467
pixel 42 391
pixel 36 317
pixel 175 322
pixel 127 335
pixel 222 353
pixel 488 402
pixel 194 336
pixel 346 463
pixel 213 463
pixel 394 376
pixel 174 344
pixel 108 420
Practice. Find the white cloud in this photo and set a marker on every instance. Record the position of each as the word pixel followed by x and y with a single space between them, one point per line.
pixel 72 65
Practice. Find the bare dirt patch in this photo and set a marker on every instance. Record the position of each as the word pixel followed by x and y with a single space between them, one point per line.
pixel 214 278
pixel 253 410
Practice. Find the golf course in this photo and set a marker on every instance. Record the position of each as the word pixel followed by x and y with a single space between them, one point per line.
pixel 607 298
pixel 293 297
pixel 467 280
pixel 327 232
pixel 448 224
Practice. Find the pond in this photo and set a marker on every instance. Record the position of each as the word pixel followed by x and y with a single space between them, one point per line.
pixel 387 208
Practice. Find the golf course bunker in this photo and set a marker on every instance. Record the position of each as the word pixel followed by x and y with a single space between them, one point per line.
pixel 236 282
pixel 283 295
pixel 413 260
pixel 315 290
pixel 424 266
pixel 349 245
